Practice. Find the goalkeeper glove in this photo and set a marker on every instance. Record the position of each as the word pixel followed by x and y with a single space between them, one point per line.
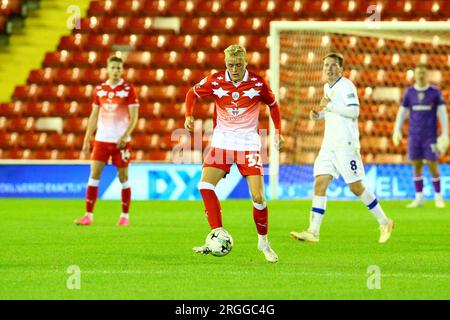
pixel 396 137
pixel 442 144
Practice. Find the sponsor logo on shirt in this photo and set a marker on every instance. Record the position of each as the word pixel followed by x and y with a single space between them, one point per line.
pixel 420 107
pixel 110 106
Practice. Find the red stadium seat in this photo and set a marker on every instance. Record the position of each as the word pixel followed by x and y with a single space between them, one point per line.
pixel 33 140
pixel 156 155
pixel 149 43
pixel 65 110
pixel 139 25
pixel 14 154
pixel 89 25
pixel 150 110
pixel 54 59
pixel 127 8
pixel 145 142
pixel 78 94
pixel 20 124
pixel 11 109
pixel 81 59
pixel 75 125
pixel 207 8
pixel 21 93
pixel 173 110
pixel 8 140
pixel 137 59
pixel 40 76
pixel 234 8
pixel 92 76
pixel 65 141
pixel 99 8
pixel 180 8
pixel 112 24
pixel 289 8
pixel 188 60
pixel 122 40
pixel 36 109
pixel 215 60
pixel 69 155
pixel 51 93
pixel 74 42
pixel 262 8
pixel 153 8
pixel 194 25
pixel 163 59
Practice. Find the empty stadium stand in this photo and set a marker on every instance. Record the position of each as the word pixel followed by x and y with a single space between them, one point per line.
pixel 164 61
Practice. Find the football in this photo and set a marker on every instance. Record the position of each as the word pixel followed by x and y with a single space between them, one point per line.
pixel 219 242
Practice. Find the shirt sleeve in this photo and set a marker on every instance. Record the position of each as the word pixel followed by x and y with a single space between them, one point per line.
pixel 96 100
pixel 267 95
pixel 203 88
pixel 439 100
pixel 405 101
pixel 132 98
pixel 351 96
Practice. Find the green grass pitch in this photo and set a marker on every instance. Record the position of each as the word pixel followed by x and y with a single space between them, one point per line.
pixel 153 258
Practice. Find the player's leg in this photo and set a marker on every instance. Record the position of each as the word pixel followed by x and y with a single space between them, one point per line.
pixel 216 165
pixel 122 173
pixel 121 159
pixel 92 192
pixel 261 215
pixel 213 210
pixel 324 172
pixel 435 177
pixel 418 183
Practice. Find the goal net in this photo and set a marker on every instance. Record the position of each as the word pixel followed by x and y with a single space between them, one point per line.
pixel 379 57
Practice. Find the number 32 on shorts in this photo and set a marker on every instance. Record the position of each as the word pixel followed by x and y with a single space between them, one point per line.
pixel 254 159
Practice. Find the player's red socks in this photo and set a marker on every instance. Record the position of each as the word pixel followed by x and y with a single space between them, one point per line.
pixel 91 195
pixel 260 215
pixel 213 209
pixel 126 197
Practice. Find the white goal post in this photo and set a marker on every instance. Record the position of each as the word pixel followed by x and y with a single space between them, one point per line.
pixel 433 33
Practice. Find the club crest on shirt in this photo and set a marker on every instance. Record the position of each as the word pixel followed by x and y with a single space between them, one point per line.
pixel 235 95
pixel 111 95
pixel 420 96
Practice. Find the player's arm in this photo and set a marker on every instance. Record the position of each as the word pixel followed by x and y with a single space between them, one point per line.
pixel 348 110
pixel 190 101
pixel 443 139
pixel 134 115
pixel 200 90
pixel 268 98
pixel 399 120
pixel 91 127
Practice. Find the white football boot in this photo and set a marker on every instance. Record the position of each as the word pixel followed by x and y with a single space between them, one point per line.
pixel 305 235
pixel 264 247
pixel 415 204
pixel 438 201
pixel 385 231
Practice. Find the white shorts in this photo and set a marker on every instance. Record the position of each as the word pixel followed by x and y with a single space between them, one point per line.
pixel 345 162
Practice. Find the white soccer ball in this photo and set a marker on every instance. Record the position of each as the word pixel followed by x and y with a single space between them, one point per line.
pixel 219 242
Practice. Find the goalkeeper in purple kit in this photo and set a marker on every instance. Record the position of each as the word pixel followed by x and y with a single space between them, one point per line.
pixel 425 106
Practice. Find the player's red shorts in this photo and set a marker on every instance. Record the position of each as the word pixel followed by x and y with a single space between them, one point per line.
pixel 104 150
pixel 249 163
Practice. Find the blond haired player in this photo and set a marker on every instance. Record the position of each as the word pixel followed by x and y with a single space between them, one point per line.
pixel 339 153
pixel 114 116
pixel 237 93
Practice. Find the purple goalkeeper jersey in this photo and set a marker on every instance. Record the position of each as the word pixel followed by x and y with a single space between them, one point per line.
pixel 422 106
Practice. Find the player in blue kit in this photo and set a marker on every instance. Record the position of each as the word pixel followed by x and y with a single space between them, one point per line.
pixel 425 106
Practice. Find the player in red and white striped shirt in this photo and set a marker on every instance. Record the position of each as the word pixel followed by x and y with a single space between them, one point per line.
pixel 237 94
pixel 114 115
